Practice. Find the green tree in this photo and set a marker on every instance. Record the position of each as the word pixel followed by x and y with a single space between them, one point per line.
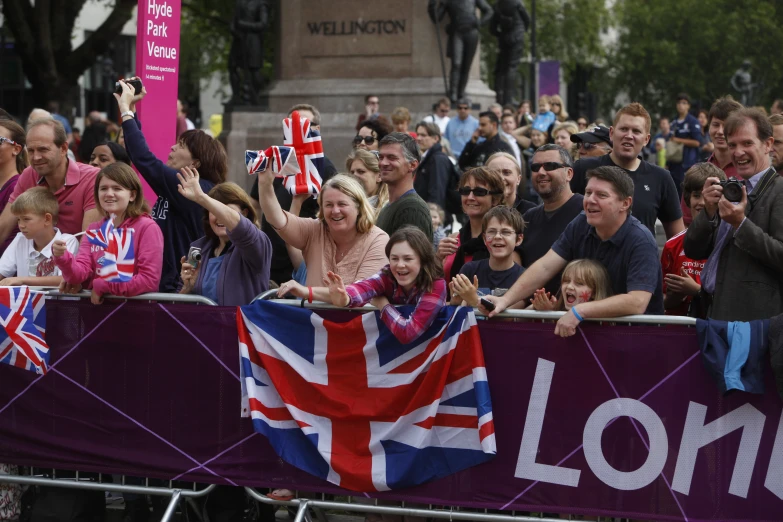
pixel 693 46
pixel 566 30
pixel 43 30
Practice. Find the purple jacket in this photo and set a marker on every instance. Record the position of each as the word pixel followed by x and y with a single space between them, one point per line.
pixel 245 270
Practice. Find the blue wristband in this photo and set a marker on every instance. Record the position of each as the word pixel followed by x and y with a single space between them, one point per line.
pixel 576 314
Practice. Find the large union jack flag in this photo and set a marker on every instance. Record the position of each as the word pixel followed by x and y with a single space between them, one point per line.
pixel 306 142
pixel 350 404
pixel 22 338
pixel 118 261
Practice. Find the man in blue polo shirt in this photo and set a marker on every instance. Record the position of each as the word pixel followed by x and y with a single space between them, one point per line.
pixel 605 232
pixel 460 130
pixel 685 130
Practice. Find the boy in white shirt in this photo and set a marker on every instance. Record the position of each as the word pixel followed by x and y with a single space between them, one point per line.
pixel 28 259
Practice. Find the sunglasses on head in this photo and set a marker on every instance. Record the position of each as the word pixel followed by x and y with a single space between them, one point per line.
pixel 549 166
pixel 477 191
pixel 367 139
pixel 3 139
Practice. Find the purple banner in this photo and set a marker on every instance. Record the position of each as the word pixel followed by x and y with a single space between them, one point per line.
pixel 617 420
pixel 548 77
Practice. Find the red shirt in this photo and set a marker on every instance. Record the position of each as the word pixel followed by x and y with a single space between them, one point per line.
pixel 75 198
pixel 673 260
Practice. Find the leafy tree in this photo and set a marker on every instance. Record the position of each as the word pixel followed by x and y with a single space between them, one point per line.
pixel 42 30
pixel 670 46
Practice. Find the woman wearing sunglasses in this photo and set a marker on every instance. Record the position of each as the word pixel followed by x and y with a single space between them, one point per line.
pixel 13 160
pixel 370 133
pixel 481 189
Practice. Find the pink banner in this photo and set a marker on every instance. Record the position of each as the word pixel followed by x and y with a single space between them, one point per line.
pixel 157 64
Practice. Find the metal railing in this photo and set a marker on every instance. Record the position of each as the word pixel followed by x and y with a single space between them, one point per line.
pixel 149 297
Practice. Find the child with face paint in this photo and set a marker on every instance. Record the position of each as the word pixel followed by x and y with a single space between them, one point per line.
pixel 583 280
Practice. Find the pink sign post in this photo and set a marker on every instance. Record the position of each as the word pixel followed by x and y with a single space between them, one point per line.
pixel 157 64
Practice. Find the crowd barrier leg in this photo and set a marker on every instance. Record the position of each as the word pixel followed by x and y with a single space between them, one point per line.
pixel 172 507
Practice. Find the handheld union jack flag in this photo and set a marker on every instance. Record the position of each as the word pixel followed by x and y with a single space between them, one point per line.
pixel 350 404
pixel 118 261
pixel 283 162
pixel 101 236
pixel 22 338
pixel 306 142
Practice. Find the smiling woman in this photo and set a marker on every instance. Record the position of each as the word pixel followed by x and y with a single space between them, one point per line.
pixel 343 239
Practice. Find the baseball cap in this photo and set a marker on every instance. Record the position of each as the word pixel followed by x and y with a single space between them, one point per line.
pixel 597 134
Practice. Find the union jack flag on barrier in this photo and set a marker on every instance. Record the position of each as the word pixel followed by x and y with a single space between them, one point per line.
pixel 118 261
pixel 22 338
pixel 350 404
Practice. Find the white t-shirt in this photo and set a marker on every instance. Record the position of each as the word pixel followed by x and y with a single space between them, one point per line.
pixel 440 122
pixel 21 259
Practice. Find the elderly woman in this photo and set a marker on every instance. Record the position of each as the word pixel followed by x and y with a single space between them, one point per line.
pixel 561 135
pixel 481 189
pixel 513 181
pixel 343 239
pixel 363 165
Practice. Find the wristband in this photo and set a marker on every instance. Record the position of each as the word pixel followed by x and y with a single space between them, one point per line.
pixel 576 314
pixel 128 113
pixel 310 296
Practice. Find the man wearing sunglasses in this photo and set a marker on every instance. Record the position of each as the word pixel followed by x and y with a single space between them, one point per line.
pixel 460 129
pixel 550 173
pixel 475 154
pixel 655 196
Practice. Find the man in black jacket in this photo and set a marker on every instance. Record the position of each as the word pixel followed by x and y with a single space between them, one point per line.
pixel 432 174
pixel 475 154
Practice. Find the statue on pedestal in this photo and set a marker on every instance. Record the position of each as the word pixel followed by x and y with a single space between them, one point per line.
pixel 743 84
pixel 509 23
pixel 463 31
pixel 251 19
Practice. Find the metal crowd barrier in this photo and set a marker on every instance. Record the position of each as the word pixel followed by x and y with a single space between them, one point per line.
pixel 304 506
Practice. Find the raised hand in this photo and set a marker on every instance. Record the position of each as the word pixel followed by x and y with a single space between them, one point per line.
pixel 189 186
pixel 337 293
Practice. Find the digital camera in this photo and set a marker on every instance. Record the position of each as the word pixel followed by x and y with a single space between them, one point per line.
pixel 194 256
pixel 732 190
pixel 136 84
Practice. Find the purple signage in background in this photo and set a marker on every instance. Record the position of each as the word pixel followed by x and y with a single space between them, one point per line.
pixel 548 78
pixel 157 64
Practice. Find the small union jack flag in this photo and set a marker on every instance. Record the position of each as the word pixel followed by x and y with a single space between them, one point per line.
pixel 22 338
pixel 281 158
pixel 118 261
pixel 306 142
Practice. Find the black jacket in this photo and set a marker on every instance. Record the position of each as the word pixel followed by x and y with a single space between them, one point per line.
pixel 432 176
pixel 476 154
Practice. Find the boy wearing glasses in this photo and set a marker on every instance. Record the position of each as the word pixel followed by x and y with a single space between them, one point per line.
pixel 502 231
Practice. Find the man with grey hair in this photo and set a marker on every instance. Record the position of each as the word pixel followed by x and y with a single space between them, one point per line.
pixel 551 172
pixel 398 158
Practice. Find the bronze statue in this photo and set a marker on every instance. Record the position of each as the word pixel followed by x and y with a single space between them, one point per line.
pixel 742 83
pixel 509 23
pixel 463 31
pixel 251 18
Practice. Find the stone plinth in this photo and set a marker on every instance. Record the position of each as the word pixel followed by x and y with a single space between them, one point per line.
pixel 332 54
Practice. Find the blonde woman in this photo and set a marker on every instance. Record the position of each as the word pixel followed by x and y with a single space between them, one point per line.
pixel 363 165
pixel 557 106
pixel 561 135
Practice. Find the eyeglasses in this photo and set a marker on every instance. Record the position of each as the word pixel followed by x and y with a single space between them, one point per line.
pixel 477 191
pixel 549 166
pixel 3 139
pixel 505 234
pixel 443 111
pixel 367 139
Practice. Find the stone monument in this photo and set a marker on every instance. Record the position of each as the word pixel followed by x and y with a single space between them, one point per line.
pixel 331 55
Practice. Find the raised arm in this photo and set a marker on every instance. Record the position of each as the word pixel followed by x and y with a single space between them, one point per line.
pixel 190 188
pixel 273 212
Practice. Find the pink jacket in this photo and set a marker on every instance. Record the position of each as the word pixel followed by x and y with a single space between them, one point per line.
pixel 148 253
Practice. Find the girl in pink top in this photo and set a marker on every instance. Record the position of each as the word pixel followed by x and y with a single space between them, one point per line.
pixel 120 196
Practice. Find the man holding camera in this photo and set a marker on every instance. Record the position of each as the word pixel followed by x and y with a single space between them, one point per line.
pixel 740 231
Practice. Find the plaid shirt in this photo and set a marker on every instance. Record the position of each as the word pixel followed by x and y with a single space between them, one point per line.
pixel 383 284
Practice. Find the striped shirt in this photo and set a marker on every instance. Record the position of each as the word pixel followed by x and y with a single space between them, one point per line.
pixel 409 329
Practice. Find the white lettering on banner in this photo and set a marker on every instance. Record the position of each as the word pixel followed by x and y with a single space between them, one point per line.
pixel 527 467
pixel 696 435
pixel 157 29
pixel 594 454
pixel 162 9
pixel 774 480
pixel 159 51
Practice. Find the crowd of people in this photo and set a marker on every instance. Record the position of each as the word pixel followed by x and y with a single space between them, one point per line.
pixel 513 209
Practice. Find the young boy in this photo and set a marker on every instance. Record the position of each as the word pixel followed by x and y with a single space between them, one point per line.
pixel 502 230
pixel 545 117
pixel 682 275
pixel 28 259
